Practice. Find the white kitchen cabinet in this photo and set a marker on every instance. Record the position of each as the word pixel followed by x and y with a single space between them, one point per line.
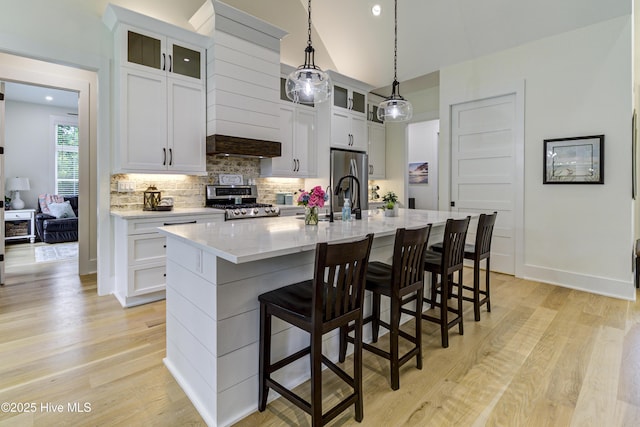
pixel 160 95
pixel 140 266
pixel 349 98
pixel 377 148
pixel 344 118
pixel 298 139
pixel 348 130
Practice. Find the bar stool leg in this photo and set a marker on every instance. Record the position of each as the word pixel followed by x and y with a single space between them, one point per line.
pixel 444 311
pixel 264 356
pixel 394 322
pixel 316 379
pixel 460 323
pixel 419 297
pixel 375 313
pixel 357 370
pixel 476 290
pixel 488 296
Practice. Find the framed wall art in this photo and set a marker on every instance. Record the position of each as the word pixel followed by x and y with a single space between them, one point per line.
pixel 576 160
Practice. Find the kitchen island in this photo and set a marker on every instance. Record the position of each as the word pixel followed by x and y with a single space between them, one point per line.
pixel 215 272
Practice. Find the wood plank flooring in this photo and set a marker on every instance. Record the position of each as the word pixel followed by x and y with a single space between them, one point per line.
pixel 545 356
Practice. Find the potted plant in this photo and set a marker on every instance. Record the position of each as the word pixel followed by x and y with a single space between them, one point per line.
pixel 390 205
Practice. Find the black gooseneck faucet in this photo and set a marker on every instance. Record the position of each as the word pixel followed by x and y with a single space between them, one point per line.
pixel 356 209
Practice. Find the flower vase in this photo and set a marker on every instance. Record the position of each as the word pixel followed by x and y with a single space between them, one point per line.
pixel 391 212
pixel 311 215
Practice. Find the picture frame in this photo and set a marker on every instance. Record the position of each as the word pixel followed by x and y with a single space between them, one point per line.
pixel 575 160
pixel 419 173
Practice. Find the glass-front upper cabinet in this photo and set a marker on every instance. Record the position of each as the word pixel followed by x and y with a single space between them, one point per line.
pixel 349 99
pixel 163 54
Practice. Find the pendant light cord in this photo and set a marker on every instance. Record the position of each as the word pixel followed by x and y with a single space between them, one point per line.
pixel 309 31
pixel 395 48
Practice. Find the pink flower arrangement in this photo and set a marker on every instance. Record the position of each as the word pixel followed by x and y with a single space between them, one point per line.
pixel 316 197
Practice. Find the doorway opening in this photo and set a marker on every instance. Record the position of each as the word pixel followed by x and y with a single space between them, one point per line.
pixel 41 158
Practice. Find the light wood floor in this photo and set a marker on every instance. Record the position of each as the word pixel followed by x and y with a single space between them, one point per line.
pixel 545 356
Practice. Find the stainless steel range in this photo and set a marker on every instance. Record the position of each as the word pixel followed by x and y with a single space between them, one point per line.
pixel 238 202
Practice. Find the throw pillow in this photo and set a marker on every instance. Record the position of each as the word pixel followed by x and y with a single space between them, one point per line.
pixel 61 210
pixel 45 199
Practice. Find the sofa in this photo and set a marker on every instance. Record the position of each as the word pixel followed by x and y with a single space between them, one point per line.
pixel 57 230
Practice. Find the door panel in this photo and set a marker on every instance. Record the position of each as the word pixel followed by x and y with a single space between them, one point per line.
pixel 483 169
pixel 2 131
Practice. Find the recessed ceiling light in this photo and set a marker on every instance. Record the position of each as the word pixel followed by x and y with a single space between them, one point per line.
pixel 49 98
pixel 376 10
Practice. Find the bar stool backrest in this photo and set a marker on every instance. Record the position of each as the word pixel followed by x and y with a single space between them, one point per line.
pixel 484 234
pixel 408 257
pixel 339 279
pixel 455 234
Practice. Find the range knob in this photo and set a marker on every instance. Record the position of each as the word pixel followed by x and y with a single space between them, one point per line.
pixel 236 212
pixel 256 210
pixel 244 211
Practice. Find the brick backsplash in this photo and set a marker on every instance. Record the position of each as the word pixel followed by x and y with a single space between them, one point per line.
pixel 187 191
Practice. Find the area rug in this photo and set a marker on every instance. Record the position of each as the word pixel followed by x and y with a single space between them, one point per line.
pixel 56 252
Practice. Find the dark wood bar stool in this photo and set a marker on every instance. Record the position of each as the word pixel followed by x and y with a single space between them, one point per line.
pixel 401 282
pixel 445 264
pixel 332 299
pixel 476 252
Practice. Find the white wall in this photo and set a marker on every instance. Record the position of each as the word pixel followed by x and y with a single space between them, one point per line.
pixel 425 107
pixel 423 147
pixel 29 147
pixel 577 83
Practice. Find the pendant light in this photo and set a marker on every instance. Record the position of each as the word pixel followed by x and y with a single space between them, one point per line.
pixel 308 83
pixel 395 108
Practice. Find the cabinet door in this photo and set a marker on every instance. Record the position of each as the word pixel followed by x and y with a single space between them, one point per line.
pixel 358 102
pixel 359 140
pixel 284 165
pixel 305 142
pixel 340 96
pixel 143 121
pixel 143 50
pixel 185 60
pixel 340 128
pixel 186 148
pixel 377 147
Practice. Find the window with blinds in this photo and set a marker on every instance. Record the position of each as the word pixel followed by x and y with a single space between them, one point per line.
pixel 67 165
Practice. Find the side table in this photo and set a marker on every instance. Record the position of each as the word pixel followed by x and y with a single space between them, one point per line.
pixel 15 226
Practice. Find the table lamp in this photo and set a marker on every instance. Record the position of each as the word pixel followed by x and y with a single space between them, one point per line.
pixel 17 185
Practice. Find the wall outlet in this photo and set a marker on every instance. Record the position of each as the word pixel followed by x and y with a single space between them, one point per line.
pixel 126 186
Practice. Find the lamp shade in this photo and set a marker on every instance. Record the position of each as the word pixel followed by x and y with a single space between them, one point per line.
pixel 18 184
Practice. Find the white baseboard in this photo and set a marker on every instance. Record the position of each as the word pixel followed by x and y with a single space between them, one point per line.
pixel 567 279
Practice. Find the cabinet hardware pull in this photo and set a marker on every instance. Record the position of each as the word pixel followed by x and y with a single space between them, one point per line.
pixel 180 223
pixel 170 63
pixel 170 156
pixel 164 157
pixel 164 61
pixel 294 165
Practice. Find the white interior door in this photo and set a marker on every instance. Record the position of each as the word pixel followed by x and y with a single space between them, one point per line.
pixel 2 183
pixel 483 169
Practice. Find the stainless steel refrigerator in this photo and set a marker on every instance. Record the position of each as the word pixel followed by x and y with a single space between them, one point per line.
pixel 345 163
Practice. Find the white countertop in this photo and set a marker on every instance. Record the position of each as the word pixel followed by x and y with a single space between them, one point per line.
pixel 251 240
pixel 140 214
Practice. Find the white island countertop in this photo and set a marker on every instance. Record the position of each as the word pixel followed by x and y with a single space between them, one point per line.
pixel 243 241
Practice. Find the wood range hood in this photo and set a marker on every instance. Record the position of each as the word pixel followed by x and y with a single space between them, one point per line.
pixel 242 147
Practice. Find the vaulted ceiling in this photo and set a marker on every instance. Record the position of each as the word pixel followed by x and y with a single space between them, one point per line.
pixel 431 33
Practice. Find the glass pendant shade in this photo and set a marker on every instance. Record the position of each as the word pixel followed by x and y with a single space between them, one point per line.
pixel 395 108
pixel 308 84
